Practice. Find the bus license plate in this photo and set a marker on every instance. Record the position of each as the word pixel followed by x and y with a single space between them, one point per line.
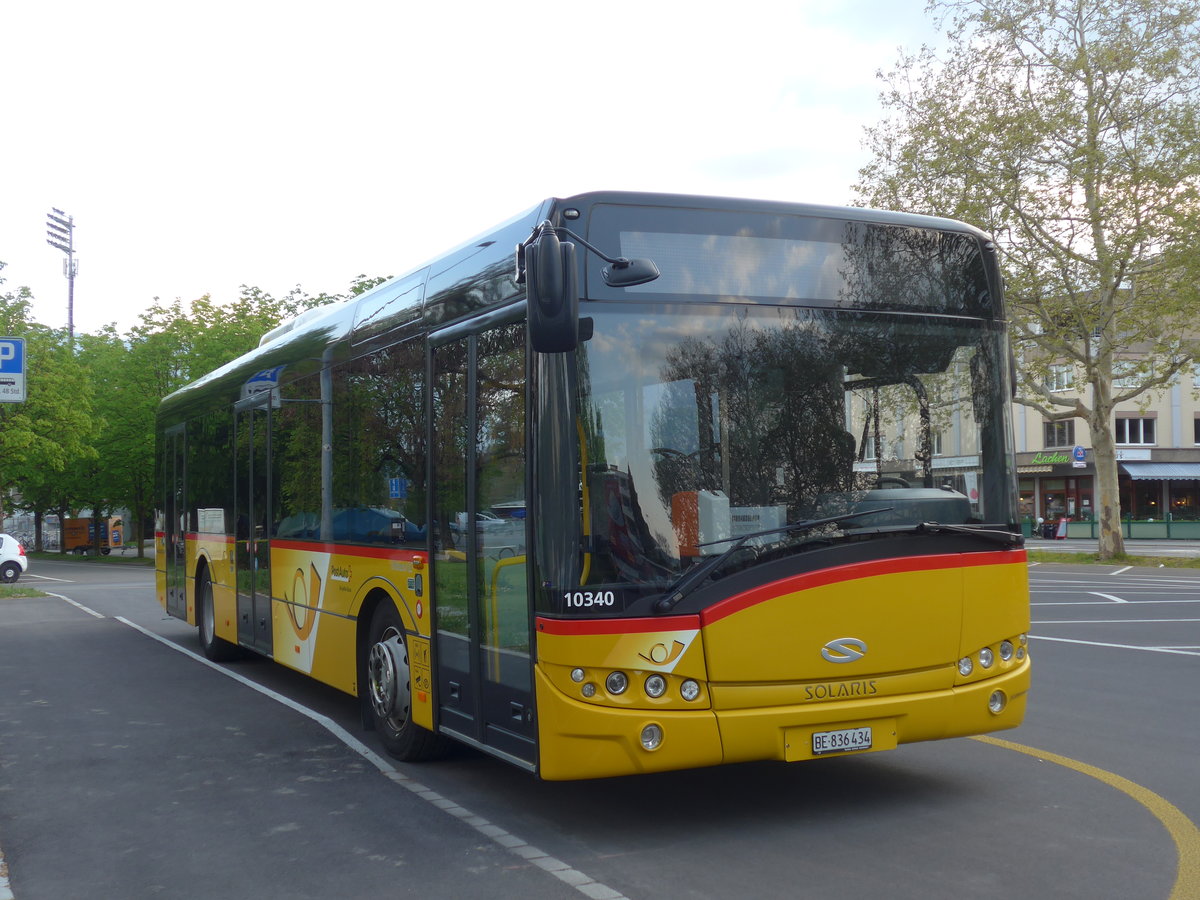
pixel 841 741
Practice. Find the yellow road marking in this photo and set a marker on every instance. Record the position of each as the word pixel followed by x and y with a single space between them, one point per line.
pixel 1183 830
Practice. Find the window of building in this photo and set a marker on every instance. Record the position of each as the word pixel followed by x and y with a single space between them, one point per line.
pixel 1135 431
pixel 1126 373
pixel 1196 425
pixel 1059 434
pixel 1060 377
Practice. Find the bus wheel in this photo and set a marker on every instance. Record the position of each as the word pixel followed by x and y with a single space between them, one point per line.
pixel 389 688
pixel 214 648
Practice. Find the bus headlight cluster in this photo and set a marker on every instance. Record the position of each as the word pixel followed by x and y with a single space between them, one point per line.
pixel 655 686
pixel 986 658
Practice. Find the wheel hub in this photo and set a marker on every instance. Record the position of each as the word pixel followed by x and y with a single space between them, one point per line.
pixel 388 677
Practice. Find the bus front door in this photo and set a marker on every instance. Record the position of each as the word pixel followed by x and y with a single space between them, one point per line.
pixel 481 598
pixel 252 488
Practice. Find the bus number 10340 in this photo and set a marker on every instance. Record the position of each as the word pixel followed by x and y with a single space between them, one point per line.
pixel 586 599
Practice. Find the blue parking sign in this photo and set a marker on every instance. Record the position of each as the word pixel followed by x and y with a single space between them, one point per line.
pixel 12 370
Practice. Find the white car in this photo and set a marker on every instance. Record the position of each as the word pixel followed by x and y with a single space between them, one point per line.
pixel 13 560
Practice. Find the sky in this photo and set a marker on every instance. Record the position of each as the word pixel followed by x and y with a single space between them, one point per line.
pixel 200 147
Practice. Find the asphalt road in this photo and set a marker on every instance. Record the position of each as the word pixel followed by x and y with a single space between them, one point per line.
pixel 128 768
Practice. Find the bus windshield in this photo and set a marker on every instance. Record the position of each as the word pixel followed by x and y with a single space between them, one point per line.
pixel 705 423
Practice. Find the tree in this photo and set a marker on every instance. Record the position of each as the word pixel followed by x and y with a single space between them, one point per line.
pixel 41 438
pixel 1070 129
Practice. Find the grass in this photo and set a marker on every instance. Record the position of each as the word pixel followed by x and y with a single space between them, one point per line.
pixel 18 591
pixel 1125 559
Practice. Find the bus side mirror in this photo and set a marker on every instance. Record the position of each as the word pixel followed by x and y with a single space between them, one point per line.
pixel 552 293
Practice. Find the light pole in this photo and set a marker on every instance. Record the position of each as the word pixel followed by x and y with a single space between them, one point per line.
pixel 60 231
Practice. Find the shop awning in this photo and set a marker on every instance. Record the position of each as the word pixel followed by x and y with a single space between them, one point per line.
pixel 1140 471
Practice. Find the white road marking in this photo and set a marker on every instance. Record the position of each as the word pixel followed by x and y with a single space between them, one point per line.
pixel 1041 637
pixel 1107 597
pixel 90 612
pixel 582 882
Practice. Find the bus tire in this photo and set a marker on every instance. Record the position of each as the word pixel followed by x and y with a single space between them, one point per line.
pixel 214 648
pixel 389 690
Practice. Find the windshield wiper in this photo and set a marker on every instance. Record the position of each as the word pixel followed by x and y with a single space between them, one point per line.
pixel 697 575
pixel 996 535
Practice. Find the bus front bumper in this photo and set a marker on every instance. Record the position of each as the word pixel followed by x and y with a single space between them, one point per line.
pixel 586 740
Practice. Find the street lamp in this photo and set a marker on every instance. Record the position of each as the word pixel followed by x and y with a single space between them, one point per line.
pixel 60 231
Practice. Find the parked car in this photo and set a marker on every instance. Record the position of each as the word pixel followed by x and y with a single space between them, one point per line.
pixel 485 523
pixel 13 560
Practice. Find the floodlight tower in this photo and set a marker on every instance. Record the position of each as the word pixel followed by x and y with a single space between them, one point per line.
pixel 60 231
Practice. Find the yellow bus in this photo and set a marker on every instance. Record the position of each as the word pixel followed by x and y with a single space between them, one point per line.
pixel 683 481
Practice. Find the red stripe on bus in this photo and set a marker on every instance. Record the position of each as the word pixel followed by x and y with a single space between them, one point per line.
pixel 617 626
pixel 351 550
pixel 854 572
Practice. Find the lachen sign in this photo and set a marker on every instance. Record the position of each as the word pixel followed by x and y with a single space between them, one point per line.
pixel 1046 459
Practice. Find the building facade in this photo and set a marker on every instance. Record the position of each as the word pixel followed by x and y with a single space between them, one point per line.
pixel 1158 454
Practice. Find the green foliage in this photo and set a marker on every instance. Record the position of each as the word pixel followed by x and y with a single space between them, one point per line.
pixel 85 437
pixel 1071 131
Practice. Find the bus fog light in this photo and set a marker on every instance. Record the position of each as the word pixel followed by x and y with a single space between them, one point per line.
pixel 1006 650
pixel 965 666
pixel 652 737
pixel 997 702
pixel 617 682
pixel 689 690
pixel 986 657
pixel 656 686
pixel 577 675
pixel 589 690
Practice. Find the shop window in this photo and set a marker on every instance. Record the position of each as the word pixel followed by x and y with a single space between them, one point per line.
pixel 1196 426
pixel 1059 434
pixel 1135 431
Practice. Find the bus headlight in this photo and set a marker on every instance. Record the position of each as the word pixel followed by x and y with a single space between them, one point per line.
pixel 996 702
pixel 656 686
pixel 986 657
pixel 617 682
pixel 1006 650
pixel 689 690
pixel 965 666
pixel 652 737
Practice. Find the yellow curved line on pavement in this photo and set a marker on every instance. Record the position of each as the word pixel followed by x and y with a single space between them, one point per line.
pixel 1183 830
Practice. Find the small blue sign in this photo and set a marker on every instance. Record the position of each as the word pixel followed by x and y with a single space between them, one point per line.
pixel 12 370
pixel 397 488
pixel 1080 457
